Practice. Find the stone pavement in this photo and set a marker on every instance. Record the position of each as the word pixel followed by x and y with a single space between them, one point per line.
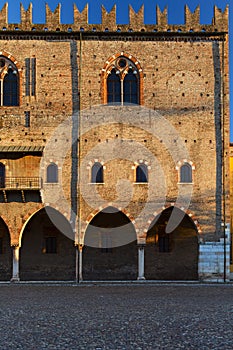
pixel 116 317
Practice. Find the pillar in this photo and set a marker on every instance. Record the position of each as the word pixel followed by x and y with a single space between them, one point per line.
pixel 141 261
pixel 80 262
pixel 15 272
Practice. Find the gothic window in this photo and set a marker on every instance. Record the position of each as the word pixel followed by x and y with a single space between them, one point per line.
pixel 123 82
pixel 52 173
pixel 2 175
pixel 142 173
pixel 130 88
pixel 114 87
pixel 97 174
pixel 9 81
pixel 186 173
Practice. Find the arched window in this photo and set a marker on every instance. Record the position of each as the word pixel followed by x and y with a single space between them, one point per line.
pixel 142 173
pixel 186 173
pixel 52 173
pixel 114 87
pixel 2 175
pixel 130 87
pixel 10 88
pixel 97 174
pixel 9 81
pixel 123 82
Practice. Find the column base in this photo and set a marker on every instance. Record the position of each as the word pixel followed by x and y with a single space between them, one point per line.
pixel 15 279
pixel 141 278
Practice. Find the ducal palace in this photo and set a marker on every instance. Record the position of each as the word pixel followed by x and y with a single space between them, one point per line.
pixel 114 148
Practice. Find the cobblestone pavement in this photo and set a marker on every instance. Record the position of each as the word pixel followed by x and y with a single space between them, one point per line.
pixel 158 316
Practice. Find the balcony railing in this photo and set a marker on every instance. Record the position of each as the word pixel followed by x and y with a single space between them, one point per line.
pixel 20 183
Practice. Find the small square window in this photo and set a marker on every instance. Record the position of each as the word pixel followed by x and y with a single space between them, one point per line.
pixel 50 245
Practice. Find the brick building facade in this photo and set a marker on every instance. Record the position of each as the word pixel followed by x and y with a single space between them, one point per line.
pixel 114 148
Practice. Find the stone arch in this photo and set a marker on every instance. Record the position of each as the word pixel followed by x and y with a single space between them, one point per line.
pixel 105 71
pixel 97 211
pixel 47 247
pixel 189 212
pixel 172 254
pixel 110 246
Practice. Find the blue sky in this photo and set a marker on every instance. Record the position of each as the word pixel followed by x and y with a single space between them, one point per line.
pixel 175 14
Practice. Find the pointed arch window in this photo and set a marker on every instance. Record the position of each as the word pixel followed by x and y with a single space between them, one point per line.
pixel 130 87
pixel 123 82
pixel 52 173
pixel 97 173
pixel 186 173
pixel 114 87
pixel 9 81
pixel 142 173
pixel 2 175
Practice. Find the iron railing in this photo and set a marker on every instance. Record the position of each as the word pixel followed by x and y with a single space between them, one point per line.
pixel 20 183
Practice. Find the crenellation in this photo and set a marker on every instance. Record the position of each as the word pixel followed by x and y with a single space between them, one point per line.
pixel 192 19
pixel 136 19
pixel 26 16
pixel 108 18
pixel 80 18
pixel 53 19
pixel 161 17
pixel 220 19
pixel 108 21
pixel 4 15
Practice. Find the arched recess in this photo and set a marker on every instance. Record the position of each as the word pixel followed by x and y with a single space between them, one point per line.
pixel 47 253
pixel 5 252
pixel 172 256
pixel 110 247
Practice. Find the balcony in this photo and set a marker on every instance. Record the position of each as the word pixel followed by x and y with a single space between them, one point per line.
pixel 20 183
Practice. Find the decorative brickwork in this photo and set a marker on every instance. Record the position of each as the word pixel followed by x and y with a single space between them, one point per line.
pixel 181 116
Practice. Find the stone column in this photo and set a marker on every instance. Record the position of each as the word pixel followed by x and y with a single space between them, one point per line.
pixel 15 272
pixel 141 262
pixel 80 262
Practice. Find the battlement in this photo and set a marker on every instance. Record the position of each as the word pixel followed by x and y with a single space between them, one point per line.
pixel 108 23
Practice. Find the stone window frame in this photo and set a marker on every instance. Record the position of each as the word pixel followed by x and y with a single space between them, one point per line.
pixel 136 165
pixel 111 63
pixel 178 168
pixel 90 167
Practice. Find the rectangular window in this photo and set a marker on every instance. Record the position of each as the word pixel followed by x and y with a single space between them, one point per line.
pixel 27 76
pixel 164 244
pixel 33 91
pixel 27 119
pixel 51 245
pixel 30 76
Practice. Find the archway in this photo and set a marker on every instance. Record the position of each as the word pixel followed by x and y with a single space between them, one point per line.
pixel 172 256
pixel 5 253
pixel 46 253
pixel 110 247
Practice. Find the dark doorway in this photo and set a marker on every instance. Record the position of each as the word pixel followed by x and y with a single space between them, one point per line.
pixel 110 247
pixel 174 255
pixel 46 253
